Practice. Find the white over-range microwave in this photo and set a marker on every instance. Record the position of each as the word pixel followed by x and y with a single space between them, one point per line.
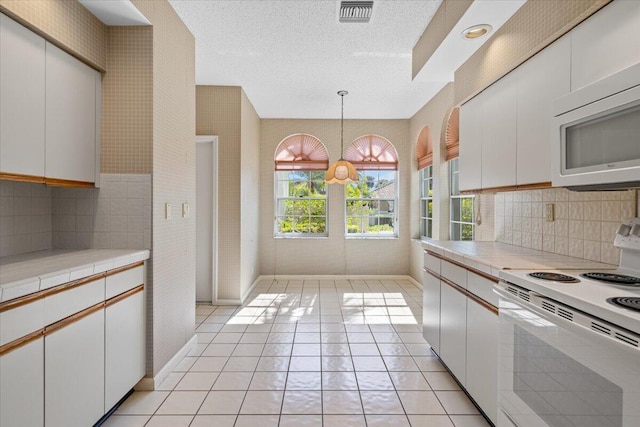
pixel 596 134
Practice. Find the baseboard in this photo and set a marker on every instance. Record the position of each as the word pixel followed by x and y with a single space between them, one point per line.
pixel 338 277
pixel 415 282
pixel 150 383
pixel 248 291
pixel 228 301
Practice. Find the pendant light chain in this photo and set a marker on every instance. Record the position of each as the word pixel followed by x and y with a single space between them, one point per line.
pixel 342 127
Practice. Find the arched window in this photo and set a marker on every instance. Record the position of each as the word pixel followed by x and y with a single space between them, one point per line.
pixel 300 189
pixel 424 154
pixel 372 202
pixel 452 134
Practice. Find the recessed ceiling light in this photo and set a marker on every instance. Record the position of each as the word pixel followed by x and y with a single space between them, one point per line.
pixel 476 31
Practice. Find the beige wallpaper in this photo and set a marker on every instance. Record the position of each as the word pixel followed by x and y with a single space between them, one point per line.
pixel 171 300
pixel 536 24
pixel 334 254
pixel 65 23
pixel 127 101
pixel 219 113
pixel 584 227
pixel 445 18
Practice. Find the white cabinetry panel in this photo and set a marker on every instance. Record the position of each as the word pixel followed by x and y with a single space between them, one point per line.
pixel 124 347
pixel 605 43
pixel 453 330
pixel 70 117
pixel 540 81
pixel 471 144
pixel 22 99
pixel 74 373
pixel 22 386
pixel 499 134
pixel 431 310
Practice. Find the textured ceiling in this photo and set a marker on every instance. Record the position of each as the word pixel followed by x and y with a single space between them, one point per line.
pixel 291 57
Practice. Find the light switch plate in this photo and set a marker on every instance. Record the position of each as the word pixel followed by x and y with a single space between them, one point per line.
pixel 186 210
pixel 167 210
pixel 548 212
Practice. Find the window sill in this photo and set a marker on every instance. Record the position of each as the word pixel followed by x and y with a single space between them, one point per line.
pixel 371 237
pixel 300 237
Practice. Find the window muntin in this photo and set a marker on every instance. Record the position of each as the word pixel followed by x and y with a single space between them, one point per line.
pixel 462 218
pixel 301 204
pixel 371 204
pixel 426 202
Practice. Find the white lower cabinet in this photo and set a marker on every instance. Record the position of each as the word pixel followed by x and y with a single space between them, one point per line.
pixel 74 373
pixel 22 386
pixel 124 347
pixel 453 330
pixel 431 310
pixel 482 358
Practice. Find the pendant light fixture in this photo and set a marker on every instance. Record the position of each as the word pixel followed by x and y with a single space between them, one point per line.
pixel 341 171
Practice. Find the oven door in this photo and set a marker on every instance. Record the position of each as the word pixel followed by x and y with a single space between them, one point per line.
pixel 555 373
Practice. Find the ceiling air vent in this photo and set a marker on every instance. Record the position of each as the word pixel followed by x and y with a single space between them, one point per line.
pixel 355 11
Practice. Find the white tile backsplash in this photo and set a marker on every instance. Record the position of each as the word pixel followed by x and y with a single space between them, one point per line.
pixel 584 227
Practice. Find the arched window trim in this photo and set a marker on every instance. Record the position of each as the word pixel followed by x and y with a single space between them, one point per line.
pixel 451 134
pixel 372 152
pixel 424 148
pixel 301 151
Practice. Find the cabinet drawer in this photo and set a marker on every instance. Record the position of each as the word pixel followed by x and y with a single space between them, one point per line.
pixel 457 275
pixel 123 281
pixel 432 263
pixel 481 287
pixel 64 304
pixel 20 321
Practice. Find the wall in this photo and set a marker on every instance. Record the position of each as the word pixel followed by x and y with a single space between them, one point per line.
pixel 534 26
pixel 584 227
pixel 334 254
pixel 173 177
pixel 65 23
pixel 219 112
pixel 250 195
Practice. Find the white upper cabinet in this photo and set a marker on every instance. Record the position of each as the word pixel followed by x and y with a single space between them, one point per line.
pixel 605 43
pixel 499 134
pixel 540 81
pixel 70 117
pixel 471 145
pixel 22 99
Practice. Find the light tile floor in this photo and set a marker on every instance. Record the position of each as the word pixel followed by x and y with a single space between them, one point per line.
pixel 307 353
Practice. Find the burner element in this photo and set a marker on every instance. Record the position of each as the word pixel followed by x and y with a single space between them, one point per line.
pixel 618 279
pixel 631 303
pixel 556 277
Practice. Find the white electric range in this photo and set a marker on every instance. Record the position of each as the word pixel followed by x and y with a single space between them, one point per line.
pixel 570 343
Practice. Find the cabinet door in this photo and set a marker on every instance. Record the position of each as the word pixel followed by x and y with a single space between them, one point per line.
pixel 70 118
pixel 74 373
pixel 605 43
pixel 482 358
pixel 453 330
pixel 471 144
pixel 22 99
pixel 499 134
pixel 540 81
pixel 22 386
pixel 431 311
pixel 124 347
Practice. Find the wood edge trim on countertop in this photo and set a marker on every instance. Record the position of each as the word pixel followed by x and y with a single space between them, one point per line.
pixel 20 342
pixel 56 326
pixel 54 182
pixel 124 295
pixel 522 187
pixel 26 299
pixel 464 291
pixel 466 267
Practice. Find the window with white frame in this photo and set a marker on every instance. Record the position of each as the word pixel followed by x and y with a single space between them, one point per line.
pixel 426 202
pixel 300 188
pixel 461 207
pixel 371 203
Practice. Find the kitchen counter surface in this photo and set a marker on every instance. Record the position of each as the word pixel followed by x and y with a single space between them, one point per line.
pixel 491 257
pixel 27 273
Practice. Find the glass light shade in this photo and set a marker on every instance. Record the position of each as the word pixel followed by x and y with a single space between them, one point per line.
pixel 341 172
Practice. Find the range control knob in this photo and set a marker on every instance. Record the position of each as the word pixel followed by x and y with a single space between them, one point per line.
pixel 636 230
pixel 624 230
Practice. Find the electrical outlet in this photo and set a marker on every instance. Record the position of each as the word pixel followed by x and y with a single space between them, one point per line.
pixel 167 210
pixel 186 210
pixel 548 212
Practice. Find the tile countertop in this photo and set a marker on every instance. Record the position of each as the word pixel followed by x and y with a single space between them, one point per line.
pixel 24 274
pixel 491 257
